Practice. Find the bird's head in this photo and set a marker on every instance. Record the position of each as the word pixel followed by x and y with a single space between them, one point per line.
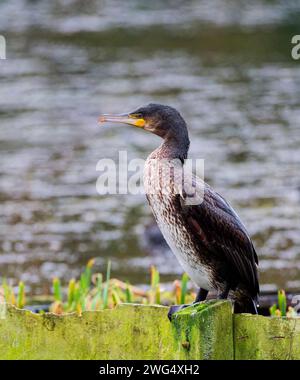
pixel 163 121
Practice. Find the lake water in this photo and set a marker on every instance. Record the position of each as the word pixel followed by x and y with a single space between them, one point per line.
pixel 226 66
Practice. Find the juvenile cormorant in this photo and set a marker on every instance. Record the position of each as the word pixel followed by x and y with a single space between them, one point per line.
pixel 203 231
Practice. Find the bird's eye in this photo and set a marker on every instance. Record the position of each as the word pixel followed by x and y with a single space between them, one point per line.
pixel 137 115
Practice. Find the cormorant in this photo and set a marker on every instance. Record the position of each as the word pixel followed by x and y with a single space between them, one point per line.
pixel 203 231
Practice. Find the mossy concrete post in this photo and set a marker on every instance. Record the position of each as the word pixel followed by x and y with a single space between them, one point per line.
pixel 205 331
pixel 127 332
pixel 258 337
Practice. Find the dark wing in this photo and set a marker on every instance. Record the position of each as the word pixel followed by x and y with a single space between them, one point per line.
pixel 223 235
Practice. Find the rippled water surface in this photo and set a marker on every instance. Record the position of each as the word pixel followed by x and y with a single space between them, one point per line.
pixel 225 65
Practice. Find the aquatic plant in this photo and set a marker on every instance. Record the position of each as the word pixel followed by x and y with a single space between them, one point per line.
pixel 7 294
pixel 21 300
pixel 95 291
pixel 91 292
pixel 280 309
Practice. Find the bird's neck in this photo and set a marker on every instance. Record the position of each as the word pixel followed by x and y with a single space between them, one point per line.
pixel 172 148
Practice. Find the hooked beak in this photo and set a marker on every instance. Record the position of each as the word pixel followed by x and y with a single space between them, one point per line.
pixel 130 119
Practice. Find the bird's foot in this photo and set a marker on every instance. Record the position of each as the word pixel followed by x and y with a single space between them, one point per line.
pixel 174 308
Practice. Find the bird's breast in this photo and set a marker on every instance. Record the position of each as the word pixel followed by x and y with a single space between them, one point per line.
pixel 162 196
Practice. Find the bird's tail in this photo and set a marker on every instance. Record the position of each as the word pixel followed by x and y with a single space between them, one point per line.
pixel 244 302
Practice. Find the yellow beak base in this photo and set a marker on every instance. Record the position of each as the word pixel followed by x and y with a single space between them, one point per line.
pixel 125 119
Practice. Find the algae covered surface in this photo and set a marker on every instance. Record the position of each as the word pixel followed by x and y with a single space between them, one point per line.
pixel 205 331
pixel 127 332
pixel 262 338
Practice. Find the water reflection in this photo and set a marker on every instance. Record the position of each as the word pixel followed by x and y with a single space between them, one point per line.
pixel 230 74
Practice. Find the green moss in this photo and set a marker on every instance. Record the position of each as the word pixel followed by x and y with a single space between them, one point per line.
pixel 257 337
pixel 204 331
pixel 127 332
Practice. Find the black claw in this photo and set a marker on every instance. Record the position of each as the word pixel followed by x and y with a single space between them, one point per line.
pixel 174 308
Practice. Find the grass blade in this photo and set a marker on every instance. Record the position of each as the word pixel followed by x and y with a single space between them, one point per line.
pixel 128 293
pixel 71 292
pixel 21 295
pixel 184 287
pixel 106 288
pixel 282 302
pixel 57 290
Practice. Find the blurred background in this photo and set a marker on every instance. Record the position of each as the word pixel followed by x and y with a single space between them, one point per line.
pixel 226 66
